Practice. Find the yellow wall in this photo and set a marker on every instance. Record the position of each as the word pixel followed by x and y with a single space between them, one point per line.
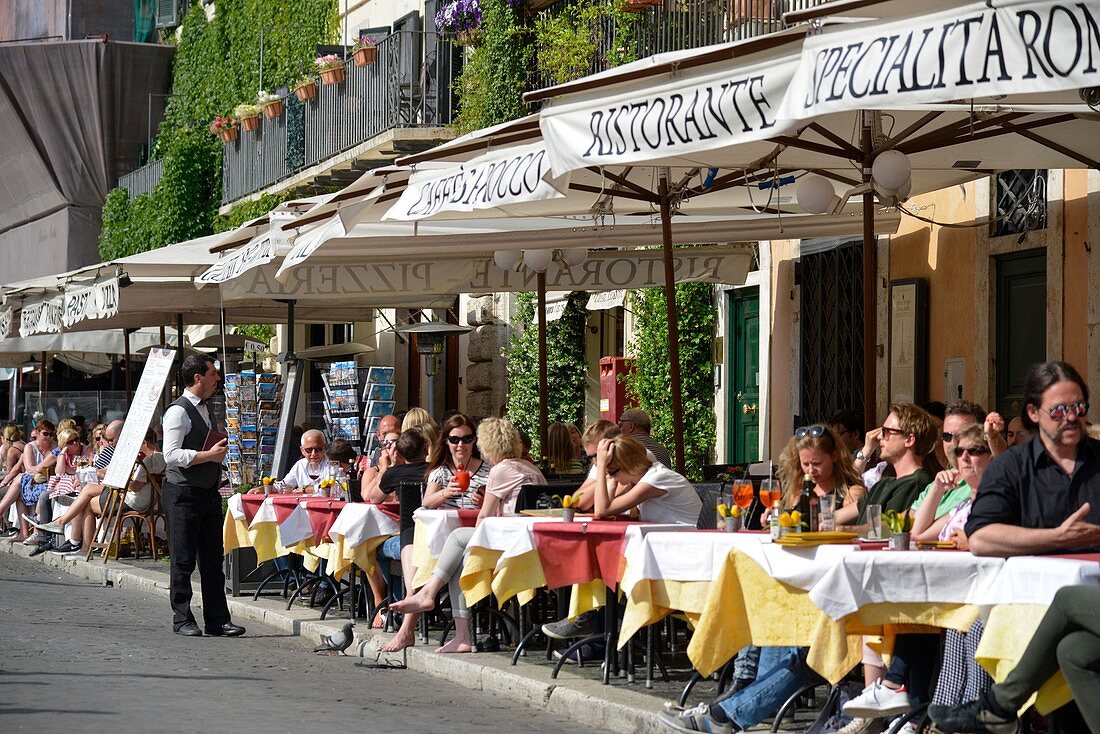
pixel 944 257
pixel 1075 270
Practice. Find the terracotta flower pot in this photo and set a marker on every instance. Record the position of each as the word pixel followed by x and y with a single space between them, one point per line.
pixel 272 110
pixel 306 92
pixel 250 124
pixel 639 5
pixel 365 56
pixel 333 75
pixel 227 134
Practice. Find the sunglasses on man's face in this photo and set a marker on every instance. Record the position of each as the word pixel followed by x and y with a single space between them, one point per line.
pixel 312 449
pixel 456 440
pixel 1060 411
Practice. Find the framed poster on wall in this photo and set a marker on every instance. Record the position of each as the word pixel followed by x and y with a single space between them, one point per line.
pixel 908 353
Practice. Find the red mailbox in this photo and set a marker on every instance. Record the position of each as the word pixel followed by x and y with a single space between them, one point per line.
pixel 613 398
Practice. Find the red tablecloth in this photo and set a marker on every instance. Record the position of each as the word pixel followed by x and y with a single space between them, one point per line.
pixel 250 504
pixel 579 552
pixel 285 504
pixel 322 514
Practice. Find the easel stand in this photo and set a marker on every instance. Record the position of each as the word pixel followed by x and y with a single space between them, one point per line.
pixel 110 524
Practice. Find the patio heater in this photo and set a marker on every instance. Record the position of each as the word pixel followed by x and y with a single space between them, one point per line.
pixel 431 336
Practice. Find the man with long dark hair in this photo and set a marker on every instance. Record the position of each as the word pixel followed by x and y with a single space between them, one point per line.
pixel 192 505
pixel 1043 495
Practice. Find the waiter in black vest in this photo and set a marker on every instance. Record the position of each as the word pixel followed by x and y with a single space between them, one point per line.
pixel 192 504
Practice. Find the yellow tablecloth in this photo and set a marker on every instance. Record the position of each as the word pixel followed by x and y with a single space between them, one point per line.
pixel 746 606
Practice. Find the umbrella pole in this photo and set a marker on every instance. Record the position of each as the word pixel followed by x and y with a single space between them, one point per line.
pixel 43 388
pixel 544 383
pixel 164 391
pixel 221 325
pixel 870 275
pixel 179 354
pixel 673 322
pixel 126 354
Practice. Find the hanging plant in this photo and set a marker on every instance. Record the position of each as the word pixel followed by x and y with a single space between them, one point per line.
pixel 331 68
pixel 270 104
pixel 249 115
pixel 305 89
pixel 225 127
pixel 365 51
pixel 463 19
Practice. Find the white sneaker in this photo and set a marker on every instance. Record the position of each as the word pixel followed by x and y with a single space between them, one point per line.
pixel 909 728
pixel 877 700
pixel 694 719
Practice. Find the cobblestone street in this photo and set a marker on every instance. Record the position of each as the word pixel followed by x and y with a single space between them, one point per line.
pixel 78 657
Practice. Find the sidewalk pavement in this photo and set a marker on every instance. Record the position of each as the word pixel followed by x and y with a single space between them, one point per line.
pixel 571 696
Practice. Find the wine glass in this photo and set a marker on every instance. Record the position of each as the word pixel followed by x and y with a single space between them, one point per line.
pixel 742 494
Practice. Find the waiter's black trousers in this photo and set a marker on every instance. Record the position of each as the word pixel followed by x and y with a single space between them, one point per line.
pixel 194 519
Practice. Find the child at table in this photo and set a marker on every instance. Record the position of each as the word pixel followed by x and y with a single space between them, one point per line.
pixel 501 446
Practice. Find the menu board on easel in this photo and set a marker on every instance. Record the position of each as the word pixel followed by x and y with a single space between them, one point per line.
pixel 139 416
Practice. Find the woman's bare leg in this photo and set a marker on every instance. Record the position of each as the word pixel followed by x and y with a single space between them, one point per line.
pixel 406 634
pixel 89 494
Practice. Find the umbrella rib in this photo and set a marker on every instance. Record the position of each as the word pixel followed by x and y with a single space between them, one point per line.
pixel 1056 147
pixel 900 137
pixel 956 132
pixel 812 147
pixel 997 128
pixel 836 177
pixel 624 182
pixel 853 151
pixel 588 189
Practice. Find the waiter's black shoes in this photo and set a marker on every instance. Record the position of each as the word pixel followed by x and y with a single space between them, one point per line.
pixel 189 629
pixel 226 630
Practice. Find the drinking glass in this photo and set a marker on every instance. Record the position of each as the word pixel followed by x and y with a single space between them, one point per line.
pixel 769 493
pixel 828 514
pixel 742 493
pixel 874 521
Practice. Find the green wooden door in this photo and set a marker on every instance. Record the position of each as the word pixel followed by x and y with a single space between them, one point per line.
pixel 743 361
pixel 1021 324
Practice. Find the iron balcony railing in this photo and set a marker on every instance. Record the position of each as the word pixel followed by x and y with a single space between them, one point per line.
pixel 408 85
pixel 143 180
pixel 677 25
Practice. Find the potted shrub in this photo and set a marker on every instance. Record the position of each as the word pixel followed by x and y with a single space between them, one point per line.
pixel 225 128
pixel 270 104
pixel 331 68
pixel 305 89
pixel 249 115
pixel 365 51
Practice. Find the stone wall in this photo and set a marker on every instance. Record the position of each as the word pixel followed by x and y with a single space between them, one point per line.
pixel 487 374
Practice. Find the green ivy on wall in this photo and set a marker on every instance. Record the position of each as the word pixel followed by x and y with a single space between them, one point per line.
pixel 217 66
pixel 651 381
pixel 566 367
pixel 497 71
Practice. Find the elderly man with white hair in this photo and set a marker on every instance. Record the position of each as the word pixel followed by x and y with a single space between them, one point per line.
pixel 309 470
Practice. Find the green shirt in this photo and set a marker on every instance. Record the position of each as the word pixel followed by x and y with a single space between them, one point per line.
pixel 893 493
pixel 951 499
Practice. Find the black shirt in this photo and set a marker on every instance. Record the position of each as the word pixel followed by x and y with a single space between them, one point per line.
pixel 1026 487
pixel 393 477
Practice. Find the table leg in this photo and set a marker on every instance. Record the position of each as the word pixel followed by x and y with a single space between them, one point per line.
pixel 351 592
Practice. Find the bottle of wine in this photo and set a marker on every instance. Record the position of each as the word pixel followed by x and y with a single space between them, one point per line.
pixel 807 504
pixel 773 524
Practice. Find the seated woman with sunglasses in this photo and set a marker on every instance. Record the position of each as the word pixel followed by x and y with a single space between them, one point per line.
pixel 457 449
pixel 27 480
pixel 912 667
pixel 818 451
pixel 501 444
pixel 62 485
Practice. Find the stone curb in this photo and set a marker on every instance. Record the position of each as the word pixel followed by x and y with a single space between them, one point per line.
pixel 583 700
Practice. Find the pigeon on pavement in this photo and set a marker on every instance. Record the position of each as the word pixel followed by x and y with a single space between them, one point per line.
pixel 337 642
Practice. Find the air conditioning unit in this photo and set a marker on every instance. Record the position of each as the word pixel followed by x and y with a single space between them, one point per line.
pixel 170 13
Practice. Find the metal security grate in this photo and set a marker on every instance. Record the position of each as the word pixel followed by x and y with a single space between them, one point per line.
pixel 1020 198
pixel 831 324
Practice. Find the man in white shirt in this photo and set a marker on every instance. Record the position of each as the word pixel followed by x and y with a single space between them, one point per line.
pixel 192 505
pixel 309 470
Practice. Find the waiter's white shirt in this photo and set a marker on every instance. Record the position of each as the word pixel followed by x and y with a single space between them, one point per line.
pixel 177 424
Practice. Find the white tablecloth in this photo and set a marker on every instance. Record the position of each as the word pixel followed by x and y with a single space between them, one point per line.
pixel 361 521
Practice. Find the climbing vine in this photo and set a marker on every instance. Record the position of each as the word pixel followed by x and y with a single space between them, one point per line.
pixel 566 367
pixel 217 65
pixel 497 71
pixel 651 381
